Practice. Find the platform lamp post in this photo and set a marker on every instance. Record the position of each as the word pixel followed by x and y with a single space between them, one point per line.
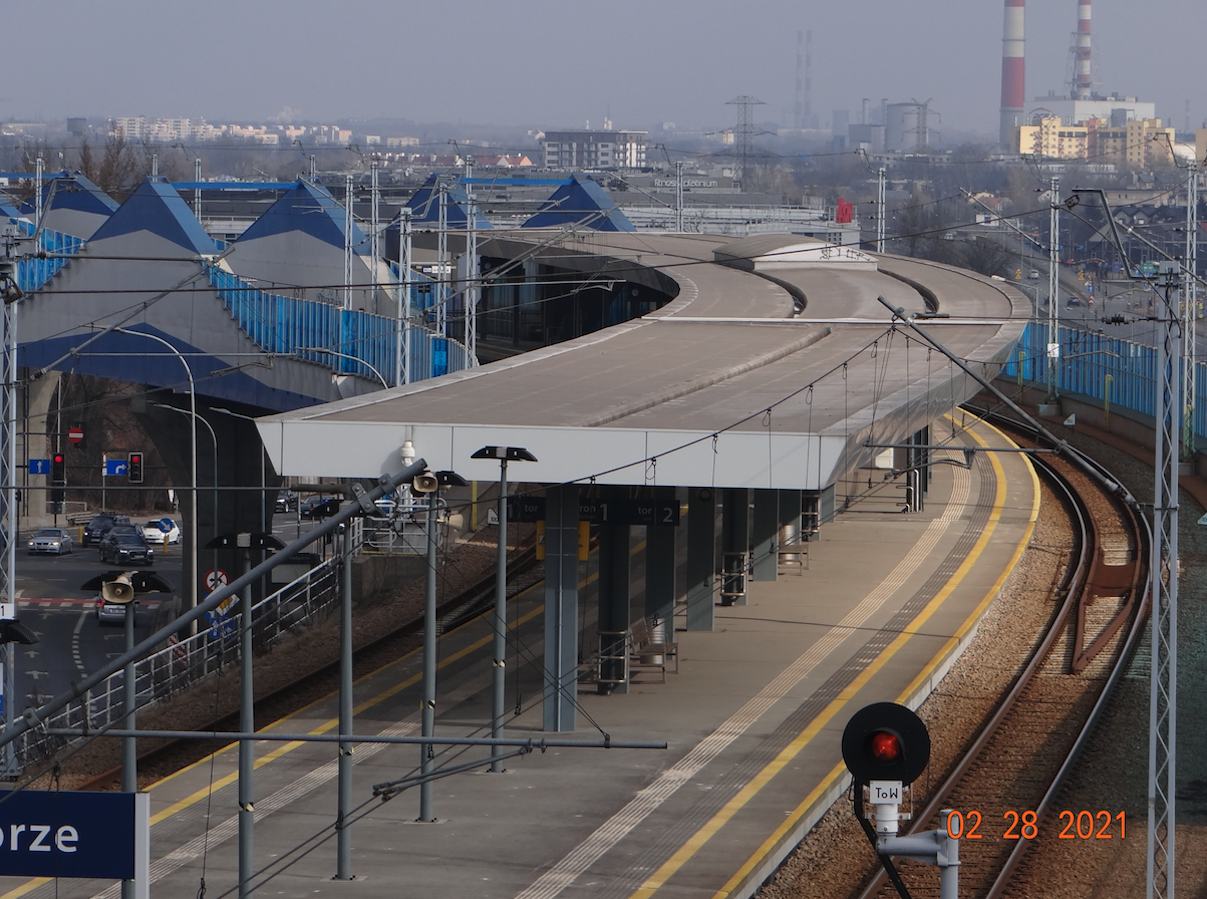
pixel 504 454
pixel 430 483
pixel 194 418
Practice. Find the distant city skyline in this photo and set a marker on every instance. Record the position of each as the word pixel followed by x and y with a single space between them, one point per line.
pixel 547 64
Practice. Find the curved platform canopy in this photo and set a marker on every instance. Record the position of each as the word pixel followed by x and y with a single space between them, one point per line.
pixel 775 366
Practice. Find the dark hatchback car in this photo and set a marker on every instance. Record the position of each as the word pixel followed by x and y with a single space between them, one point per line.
pixel 119 548
pixel 287 501
pixel 99 526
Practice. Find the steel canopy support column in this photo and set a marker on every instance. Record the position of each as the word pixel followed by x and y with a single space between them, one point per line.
pixel 764 535
pixel 561 609
pixel 660 574
pixel 427 755
pixel 701 558
pixel 614 615
pixel 343 826
pixel 247 723
pixel 735 545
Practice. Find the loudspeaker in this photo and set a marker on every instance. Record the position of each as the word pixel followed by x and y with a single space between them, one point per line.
pixel 119 591
pixel 425 483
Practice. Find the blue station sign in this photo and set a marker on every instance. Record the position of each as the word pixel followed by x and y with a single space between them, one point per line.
pixel 69 834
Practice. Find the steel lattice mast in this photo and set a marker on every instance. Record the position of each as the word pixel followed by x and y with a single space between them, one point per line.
pixel 9 511
pixel 1189 309
pixel 1162 755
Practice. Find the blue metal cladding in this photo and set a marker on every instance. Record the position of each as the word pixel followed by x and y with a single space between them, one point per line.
pixel 33 272
pixel 1103 368
pixel 347 341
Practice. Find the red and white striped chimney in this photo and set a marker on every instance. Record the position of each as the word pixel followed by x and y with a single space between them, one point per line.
pixel 1082 81
pixel 1013 72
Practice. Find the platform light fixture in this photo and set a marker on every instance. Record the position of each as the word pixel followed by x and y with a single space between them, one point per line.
pixel 504 454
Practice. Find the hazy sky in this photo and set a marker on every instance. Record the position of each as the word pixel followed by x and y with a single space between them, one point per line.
pixel 551 63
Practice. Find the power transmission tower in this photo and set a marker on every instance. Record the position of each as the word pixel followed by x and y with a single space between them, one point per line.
pixel 743 135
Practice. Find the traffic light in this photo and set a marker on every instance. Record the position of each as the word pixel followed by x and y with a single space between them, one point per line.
pixel 58 470
pixel 885 741
pixel 134 468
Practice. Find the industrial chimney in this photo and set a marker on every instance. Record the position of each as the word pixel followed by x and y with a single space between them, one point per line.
pixel 1081 67
pixel 1013 72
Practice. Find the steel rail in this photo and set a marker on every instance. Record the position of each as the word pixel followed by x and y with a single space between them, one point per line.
pixel 1077 582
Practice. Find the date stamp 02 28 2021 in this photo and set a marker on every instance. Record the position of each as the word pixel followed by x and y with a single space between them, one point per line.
pixel 1082 825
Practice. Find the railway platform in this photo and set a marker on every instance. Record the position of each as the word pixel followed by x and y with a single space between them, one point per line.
pixel 752 718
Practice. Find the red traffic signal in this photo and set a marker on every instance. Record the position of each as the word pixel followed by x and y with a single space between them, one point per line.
pixel 884 747
pixel 58 470
pixel 885 741
pixel 134 468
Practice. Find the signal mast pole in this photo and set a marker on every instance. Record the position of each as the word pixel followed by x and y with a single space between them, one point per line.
pixel 1053 291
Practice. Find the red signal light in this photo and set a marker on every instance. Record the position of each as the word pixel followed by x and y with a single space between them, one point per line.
pixel 885 747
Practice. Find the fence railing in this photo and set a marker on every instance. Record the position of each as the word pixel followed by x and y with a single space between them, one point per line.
pixel 32 271
pixel 1110 369
pixel 359 343
pixel 302 602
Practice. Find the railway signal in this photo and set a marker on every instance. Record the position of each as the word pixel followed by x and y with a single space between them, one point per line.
pixel 886 746
pixel 886 741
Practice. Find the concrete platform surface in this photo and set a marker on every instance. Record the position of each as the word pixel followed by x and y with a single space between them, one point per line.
pixel 753 720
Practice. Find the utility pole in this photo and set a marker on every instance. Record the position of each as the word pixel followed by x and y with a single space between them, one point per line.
pixel 402 332
pixel 470 294
pixel 374 249
pixel 679 197
pixel 443 267
pixel 9 514
pixel 197 189
pixel 1189 309
pixel 881 209
pixel 347 241
pixel 1163 682
pixel 38 194
pixel 1053 397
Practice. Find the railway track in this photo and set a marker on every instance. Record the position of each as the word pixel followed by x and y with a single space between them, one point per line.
pixel 1004 784
pixel 523 571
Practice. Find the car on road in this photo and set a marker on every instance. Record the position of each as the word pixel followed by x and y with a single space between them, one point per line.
pixel 287 501
pixel 1033 275
pixel 154 534
pixel 100 524
pixel 51 540
pixel 1074 301
pixel 317 506
pixel 110 612
pixel 119 548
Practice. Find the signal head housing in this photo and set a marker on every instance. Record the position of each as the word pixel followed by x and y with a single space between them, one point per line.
pixel 885 741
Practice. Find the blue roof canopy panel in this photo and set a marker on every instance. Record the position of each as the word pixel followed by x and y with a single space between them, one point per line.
pixel 425 207
pixel 71 190
pixel 156 208
pixel 582 200
pixel 308 208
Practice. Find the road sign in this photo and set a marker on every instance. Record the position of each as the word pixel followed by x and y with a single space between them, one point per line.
pixel 39 466
pixel 1148 269
pixel 116 468
pixel 216 578
pixel 68 834
pixel 75 434
pixel 620 511
pixel 221 626
pixel 166 525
